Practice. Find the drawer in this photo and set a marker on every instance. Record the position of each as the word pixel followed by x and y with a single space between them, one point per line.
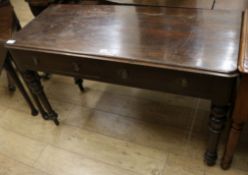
pixel 60 64
pixel 147 77
pixel 81 67
pixel 102 70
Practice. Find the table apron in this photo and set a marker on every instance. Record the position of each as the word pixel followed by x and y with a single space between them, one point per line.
pixel 218 89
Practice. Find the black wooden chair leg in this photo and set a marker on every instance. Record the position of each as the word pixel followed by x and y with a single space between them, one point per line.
pixel 33 81
pixel 11 84
pixel 12 73
pixel 79 83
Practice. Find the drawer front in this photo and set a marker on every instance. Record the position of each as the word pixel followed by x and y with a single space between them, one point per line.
pixel 53 63
pixel 120 73
pixel 113 72
pixel 184 83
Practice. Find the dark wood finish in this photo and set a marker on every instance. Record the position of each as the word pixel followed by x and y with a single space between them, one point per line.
pixel 240 115
pixel 184 51
pixel 33 80
pixel 11 83
pixel 199 4
pixel 3 54
pixel 174 39
pixel 37 6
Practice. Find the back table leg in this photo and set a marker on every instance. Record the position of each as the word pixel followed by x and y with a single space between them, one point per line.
pixel 79 82
pixel 11 84
pixel 33 80
pixel 12 73
pixel 216 125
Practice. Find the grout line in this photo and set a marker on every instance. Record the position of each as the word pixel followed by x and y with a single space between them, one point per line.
pixel 84 156
pixel 47 143
pixel 22 163
pixel 126 116
pixel 80 128
pixel 38 157
pixel 193 121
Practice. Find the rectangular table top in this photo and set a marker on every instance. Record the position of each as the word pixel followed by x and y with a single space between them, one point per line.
pixel 191 40
pixel 6 21
pixel 199 4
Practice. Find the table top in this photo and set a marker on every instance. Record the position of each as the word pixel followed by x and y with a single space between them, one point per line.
pixel 200 4
pixel 231 4
pixel 191 40
pixel 6 21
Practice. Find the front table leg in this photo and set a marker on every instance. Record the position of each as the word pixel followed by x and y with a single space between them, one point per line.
pixel 33 80
pixel 216 124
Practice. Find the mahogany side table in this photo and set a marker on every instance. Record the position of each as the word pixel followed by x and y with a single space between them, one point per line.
pixel 184 51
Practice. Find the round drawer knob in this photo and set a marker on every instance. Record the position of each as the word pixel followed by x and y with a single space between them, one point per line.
pixel 76 67
pixel 36 61
pixel 123 74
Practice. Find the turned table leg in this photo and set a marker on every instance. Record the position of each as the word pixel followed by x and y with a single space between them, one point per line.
pixel 12 73
pixel 39 105
pixel 33 80
pixel 240 116
pixel 216 124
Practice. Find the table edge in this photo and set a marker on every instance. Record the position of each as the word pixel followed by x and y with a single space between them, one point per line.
pixel 229 74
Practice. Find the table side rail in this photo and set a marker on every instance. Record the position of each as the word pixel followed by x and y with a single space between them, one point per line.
pixel 179 82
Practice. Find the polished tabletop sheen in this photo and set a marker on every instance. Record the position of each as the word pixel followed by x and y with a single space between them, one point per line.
pixel 183 39
pixel 201 4
pixel 6 16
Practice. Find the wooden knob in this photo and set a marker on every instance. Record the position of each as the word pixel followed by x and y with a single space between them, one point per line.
pixel 36 61
pixel 76 67
pixel 123 74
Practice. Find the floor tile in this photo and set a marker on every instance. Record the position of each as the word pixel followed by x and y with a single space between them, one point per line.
pixel 12 167
pixel 118 153
pixel 61 162
pixel 19 147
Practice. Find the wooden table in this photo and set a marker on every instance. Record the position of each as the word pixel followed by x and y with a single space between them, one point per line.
pixel 183 51
pixel 7 25
pixel 240 115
